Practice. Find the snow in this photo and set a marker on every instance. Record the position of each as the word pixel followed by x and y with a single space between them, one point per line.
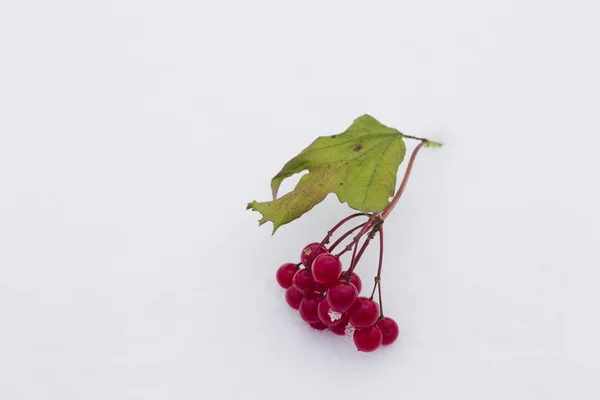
pixel 133 133
pixel 334 315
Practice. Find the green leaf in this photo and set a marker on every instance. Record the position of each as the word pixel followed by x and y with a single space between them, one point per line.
pixel 358 165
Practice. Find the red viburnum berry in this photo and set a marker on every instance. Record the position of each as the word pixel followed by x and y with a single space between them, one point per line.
pixel 327 315
pixel 303 281
pixel 354 279
pixel 309 253
pixel 368 339
pixel 389 329
pixel 308 308
pixel 364 313
pixel 318 325
pixel 342 296
pixel 293 297
pixel 342 326
pixel 326 269
pixel 285 275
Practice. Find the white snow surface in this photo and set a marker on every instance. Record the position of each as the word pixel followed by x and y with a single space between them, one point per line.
pixel 133 133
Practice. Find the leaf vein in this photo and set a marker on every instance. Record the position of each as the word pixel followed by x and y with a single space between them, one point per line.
pixel 375 170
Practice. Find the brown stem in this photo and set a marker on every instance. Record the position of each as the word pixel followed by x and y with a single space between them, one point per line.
pixel 372 234
pixel 356 257
pixel 374 288
pixel 416 138
pixel 344 236
pixel 362 250
pixel 342 222
pixel 380 300
pixel 377 285
pixel 331 232
pixel 398 194
pixel 379 268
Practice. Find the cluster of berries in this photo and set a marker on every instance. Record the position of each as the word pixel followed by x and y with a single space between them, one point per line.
pixel 328 298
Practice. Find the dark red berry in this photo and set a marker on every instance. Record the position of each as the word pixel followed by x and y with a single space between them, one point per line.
pixel 389 329
pixel 293 297
pixel 303 281
pixel 364 313
pixel 341 296
pixel 320 288
pixel 327 315
pixel 318 325
pixel 308 308
pixel 340 328
pixel 355 280
pixel 326 269
pixel 367 339
pixel 285 275
pixel 309 253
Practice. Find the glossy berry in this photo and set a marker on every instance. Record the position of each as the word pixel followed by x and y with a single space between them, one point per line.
pixel 355 280
pixel 303 281
pixel 308 253
pixel 368 339
pixel 293 297
pixel 341 296
pixel 389 330
pixel 340 328
pixel 327 315
pixel 318 325
pixel 364 313
pixel 326 269
pixel 285 275
pixel 308 308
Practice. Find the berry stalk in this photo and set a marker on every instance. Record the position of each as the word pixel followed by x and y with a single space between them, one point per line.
pixel 344 236
pixel 377 284
pixel 331 232
pixel 409 166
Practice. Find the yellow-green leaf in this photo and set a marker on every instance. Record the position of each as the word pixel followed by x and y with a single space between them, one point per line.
pixel 358 165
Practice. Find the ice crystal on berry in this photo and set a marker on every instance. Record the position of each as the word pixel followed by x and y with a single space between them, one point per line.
pixel 334 315
pixel 349 331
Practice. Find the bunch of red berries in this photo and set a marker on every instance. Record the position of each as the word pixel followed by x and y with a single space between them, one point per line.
pixel 328 297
